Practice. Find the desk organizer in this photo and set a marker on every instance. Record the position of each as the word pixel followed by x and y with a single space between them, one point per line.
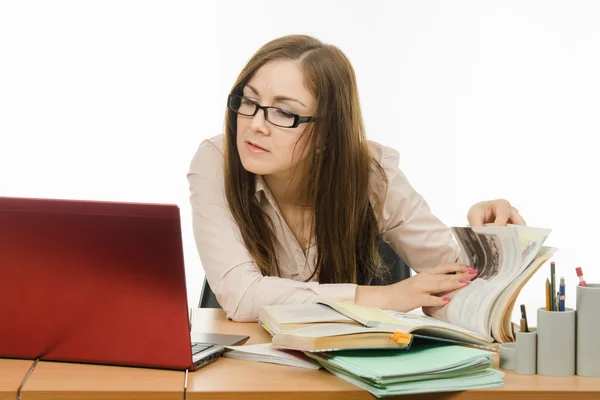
pixel 556 342
pixel 588 330
pixel 508 355
pixel 526 355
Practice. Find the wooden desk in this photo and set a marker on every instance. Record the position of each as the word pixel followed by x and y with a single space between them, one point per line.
pixel 228 378
pixel 12 373
pixel 53 380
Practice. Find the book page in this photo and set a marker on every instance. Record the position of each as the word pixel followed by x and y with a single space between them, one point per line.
pixel 531 240
pixel 498 254
pixel 301 314
pixel 501 310
pixel 368 316
pixel 494 252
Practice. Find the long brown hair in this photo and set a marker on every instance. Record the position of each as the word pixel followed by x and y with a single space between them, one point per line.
pixel 336 184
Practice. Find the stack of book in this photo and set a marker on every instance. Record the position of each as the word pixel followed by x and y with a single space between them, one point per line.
pixel 383 352
pixel 423 368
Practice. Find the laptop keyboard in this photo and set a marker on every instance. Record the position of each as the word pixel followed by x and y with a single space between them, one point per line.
pixel 198 347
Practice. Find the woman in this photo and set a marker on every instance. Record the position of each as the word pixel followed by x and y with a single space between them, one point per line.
pixel 289 203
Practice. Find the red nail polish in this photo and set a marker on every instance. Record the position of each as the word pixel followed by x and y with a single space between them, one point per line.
pixel 446 298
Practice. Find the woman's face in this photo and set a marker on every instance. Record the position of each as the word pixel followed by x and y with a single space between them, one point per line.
pixel 278 84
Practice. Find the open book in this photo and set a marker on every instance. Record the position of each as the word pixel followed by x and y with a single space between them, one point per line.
pixel 506 258
pixel 480 313
pixel 373 329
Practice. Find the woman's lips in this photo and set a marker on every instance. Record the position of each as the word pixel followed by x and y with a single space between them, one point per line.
pixel 255 148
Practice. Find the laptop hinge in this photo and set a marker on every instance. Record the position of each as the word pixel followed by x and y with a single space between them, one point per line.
pixel 26 377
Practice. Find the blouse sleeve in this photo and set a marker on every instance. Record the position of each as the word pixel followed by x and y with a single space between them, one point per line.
pixel 407 224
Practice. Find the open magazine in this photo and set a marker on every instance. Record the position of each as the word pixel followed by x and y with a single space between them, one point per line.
pixel 506 257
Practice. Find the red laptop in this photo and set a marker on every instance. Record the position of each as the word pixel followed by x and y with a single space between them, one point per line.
pixel 97 282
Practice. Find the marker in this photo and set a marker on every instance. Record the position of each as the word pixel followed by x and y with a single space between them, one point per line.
pixel 580 276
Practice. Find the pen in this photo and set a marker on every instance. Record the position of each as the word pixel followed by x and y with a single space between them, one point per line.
pixel 580 276
pixel 561 293
pixel 552 287
pixel 524 327
pixel 556 301
pixel 547 294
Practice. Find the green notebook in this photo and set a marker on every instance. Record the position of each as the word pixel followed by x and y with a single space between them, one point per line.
pixel 490 378
pixel 469 369
pixel 422 368
pixel 420 358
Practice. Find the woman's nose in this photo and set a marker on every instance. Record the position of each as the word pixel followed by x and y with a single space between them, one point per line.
pixel 259 123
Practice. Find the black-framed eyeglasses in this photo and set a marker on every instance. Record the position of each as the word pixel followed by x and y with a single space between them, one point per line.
pixel 274 115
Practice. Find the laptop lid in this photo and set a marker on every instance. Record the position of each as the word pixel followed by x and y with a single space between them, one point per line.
pixel 93 282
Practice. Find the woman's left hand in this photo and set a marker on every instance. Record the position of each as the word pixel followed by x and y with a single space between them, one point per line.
pixel 499 212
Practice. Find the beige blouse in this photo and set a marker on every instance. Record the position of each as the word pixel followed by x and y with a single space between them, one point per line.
pixel 407 224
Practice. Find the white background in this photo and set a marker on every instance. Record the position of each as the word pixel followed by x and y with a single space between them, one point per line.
pixel 108 100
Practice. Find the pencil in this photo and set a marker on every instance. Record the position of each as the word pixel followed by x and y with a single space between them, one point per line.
pixel 523 325
pixel 547 294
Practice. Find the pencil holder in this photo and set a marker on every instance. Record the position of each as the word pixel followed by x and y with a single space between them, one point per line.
pixel 508 355
pixel 526 360
pixel 588 330
pixel 556 342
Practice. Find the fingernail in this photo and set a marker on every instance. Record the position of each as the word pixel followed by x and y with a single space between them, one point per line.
pixel 472 270
pixel 464 281
pixel 446 298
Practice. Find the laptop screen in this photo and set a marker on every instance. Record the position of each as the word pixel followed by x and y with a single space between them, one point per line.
pixel 94 282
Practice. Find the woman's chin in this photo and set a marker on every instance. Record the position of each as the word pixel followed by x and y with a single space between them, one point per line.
pixel 258 168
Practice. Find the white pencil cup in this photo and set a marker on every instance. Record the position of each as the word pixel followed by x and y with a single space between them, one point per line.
pixel 556 342
pixel 588 330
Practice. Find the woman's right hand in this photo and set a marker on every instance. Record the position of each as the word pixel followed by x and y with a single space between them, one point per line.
pixel 424 289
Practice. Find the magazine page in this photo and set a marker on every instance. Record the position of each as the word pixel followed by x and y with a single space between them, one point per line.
pixel 500 316
pixel 494 252
pixel 498 254
pixel 532 240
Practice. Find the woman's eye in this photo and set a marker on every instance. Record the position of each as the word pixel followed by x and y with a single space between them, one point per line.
pixel 284 113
